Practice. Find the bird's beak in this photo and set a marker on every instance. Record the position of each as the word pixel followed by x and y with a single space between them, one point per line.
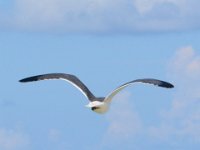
pixel 88 105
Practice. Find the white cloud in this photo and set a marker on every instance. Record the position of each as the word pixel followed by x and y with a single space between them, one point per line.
pixel 124 122
pixel 103 15
pixel 145 6
pixel 12 140
pixel 182 120
pixel 54 135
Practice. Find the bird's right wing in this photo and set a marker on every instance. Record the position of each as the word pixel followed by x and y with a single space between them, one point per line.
pixel 156 82
pixel 67 77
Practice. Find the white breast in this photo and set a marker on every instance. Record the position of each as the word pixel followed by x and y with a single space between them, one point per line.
pixel 102 109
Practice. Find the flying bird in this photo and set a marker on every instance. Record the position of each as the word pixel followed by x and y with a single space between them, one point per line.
pixel 96 104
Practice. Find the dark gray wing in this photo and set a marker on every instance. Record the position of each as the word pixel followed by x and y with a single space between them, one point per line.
pixel 154 81
pixel 149 81
pixel 67 77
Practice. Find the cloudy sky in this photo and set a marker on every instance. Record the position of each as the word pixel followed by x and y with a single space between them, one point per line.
pixel 105 44
pixel 100 16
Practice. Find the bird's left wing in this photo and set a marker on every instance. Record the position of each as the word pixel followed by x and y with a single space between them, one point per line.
pixel 156 82
pixel 67 77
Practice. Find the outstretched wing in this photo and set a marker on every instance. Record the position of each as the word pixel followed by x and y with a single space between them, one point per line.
pixel 67 77
pixel 149 81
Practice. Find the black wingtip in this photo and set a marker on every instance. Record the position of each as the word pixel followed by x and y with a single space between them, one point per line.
pixel 166 84
pixel 22 80
pixel 29 79
pixel 170 85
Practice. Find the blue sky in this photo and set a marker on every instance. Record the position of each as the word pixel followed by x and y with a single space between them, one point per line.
pixel 105 44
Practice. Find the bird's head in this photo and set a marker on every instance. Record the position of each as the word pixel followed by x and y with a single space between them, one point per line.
pixel 98 107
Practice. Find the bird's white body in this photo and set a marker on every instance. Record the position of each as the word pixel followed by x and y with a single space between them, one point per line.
pixel 98 107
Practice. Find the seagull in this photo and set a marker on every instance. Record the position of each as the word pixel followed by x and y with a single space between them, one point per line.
pixel 97 104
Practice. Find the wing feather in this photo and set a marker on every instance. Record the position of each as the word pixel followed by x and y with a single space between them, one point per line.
pixel 67 77
pixel 156 82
